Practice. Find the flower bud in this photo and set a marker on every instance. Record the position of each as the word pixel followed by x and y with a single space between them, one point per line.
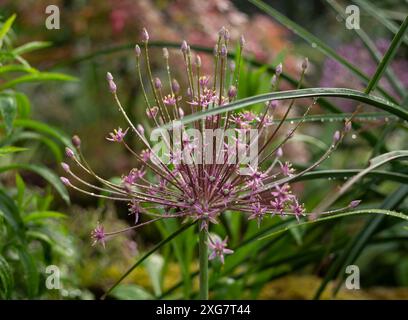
pixel 65 181
pixel 215 50
pixel 232 92
pixel 145 35
pixel 221 33
pixel 181 112
pixel 69 153
pixel 347 126
pixel 109 76
pixel 165 53
pixel 138 52
pixel 279 152
pixel 184 47
pixel 242 41
pixel 279 69
pixel 175 86
pixel 76 141
pixel 224 51
pixel 198 61
pixel 305 64
pixel 354 203
pixel 232 66
pixel 273 104
pixel 111 83
pixel 65 166
pixel 157 83
pixel 227 35
pixel 336 136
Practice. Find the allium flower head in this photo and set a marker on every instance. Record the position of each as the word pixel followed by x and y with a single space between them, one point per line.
pixel 198 177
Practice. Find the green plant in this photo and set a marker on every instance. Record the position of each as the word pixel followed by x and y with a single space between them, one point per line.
pixel 31 233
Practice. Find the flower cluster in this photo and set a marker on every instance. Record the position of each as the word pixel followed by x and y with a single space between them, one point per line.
pixel 213 181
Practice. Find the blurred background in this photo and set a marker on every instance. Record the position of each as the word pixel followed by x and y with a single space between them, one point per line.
pixel 99 36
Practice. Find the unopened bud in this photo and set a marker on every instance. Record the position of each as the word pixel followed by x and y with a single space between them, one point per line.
pixel 347 126
pixel 198 61
pixel 175 86
pixel 165 53
pixel 181 112
pixel 138 52
pixel 224 51
pixel 354 203
pixel 279 69
pixel 145 35
pixel 232 66
pixel 232 92
pixel 242 41
pixel 76 141
pixel 273 104
pixel 65 181
pixel 279 152
pixel 157 83
pixel 184 46
pixel 65 166
pixel 221 33
pixel 336 136
pixel 305 63
pixel 69 153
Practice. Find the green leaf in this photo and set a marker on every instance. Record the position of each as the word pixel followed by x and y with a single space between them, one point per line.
pixel 23 105
pixel 315 42
pixel 146 255
pixel 44 172
pixel 30 275
pixel 347 173
pixel 46 129
pixel 356 245
pixel 6 279
pixel 371 47
pixel 389 55
pixel 20 190
pixel 41 215
pixel 374 163
pixel 377 14
pixel 337 216
pixel 31 46
pixel 301 93
pixel 8 111
pixel 10 149
pixel 11 213
pixel 17 68
pixel 6 27
pixel 131 292
pixel 37 77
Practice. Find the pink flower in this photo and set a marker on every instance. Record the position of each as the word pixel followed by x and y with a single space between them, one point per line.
pixel 98 235
pixel 218 249
pixel 117 135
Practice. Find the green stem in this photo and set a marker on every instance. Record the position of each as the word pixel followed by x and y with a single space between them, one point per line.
pixel 203 252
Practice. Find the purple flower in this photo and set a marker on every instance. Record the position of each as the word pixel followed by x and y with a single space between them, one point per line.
pixel 117 135
pixel 98 235
pixel 218 249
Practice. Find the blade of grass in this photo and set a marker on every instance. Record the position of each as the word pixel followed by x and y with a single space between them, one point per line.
pixel 301 93
pixel 377 14
pixel 356 245
pixel 315 42
pixel 371 47
pixel 340 215
pixel 389 55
